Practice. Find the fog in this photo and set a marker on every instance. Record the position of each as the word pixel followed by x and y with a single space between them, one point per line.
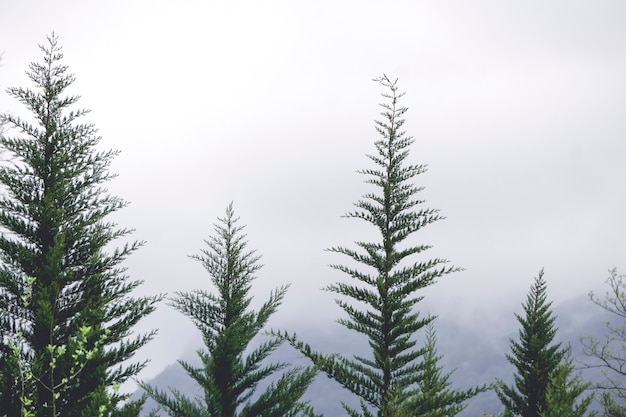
pixel 517 108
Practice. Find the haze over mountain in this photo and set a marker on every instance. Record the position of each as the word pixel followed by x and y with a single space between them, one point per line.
pixel 475 354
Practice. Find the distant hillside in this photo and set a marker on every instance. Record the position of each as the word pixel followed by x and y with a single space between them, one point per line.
pixel 475 354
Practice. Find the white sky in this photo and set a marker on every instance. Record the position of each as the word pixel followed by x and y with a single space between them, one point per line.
pixel 517 107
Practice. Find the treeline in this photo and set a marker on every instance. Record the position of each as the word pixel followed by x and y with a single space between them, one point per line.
pixel 67 309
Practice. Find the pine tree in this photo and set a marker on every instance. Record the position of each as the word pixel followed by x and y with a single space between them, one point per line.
pixel 535 356
pixel 8 362
pixel 564 391
pixel 53 213
pixel 229 377
pixel 393 272
pixel 434 397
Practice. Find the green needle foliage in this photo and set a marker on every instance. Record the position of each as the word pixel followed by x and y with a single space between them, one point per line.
pixel 564 391
pixel 535 356
pixel 435 398
pixel 228 376
pixel 53 211
pixel 379 300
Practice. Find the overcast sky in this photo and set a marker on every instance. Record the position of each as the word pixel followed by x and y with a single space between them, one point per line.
pixel 517 107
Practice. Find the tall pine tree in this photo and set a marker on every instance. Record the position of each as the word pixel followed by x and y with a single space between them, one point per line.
pixel 535 356
pixel 53 215
pixel 229 376
pixel 393 271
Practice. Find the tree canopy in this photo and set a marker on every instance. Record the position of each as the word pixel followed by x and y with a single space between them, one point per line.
pixel 379 300
pixel 229 376
pixel 53 215
pixel 535 356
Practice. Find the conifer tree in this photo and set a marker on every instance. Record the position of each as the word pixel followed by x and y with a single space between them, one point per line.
pixel 435 397
pixel 8 363
pixel 228 376
pixel 535 356
pixel 53 216
pixel 563 394
pixel 380 298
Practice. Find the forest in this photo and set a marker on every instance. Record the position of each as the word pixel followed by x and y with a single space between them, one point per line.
pixel 69 309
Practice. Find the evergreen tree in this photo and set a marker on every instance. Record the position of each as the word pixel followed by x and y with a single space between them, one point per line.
pixel 564 391
pixel 8 362
pixel 391 276
pixel 228 376
pixel 610 353
pixel 434 397
pixel 53 213
pixel 535 356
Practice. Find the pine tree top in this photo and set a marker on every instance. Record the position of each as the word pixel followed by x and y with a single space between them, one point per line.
pixel 534 355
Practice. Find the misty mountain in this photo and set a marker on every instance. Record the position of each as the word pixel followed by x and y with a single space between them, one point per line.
pixel 475 354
